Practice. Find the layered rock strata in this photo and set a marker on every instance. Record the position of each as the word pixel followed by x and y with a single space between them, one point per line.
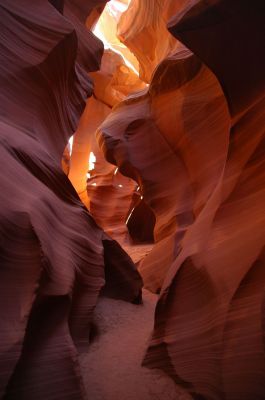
pixel 52 253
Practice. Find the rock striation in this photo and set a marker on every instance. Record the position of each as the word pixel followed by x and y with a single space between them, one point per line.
pixel 52 253
pixel 179 160
pixel 194 142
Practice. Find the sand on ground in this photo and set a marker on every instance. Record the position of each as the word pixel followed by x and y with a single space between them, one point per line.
pixel 112 365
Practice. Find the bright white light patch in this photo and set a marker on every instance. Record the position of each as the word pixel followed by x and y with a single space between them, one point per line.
pixel 127 220
pixel 91 161
pixel 115 8
pixel 71 144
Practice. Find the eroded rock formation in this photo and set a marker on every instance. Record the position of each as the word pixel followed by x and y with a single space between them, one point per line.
pixel 195 144
pixel 52 253
pixel 109 195
pixel 184 152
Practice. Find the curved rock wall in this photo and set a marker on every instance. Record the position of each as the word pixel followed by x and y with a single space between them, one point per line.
pixel 190 141
pixel 52 253
pixel 194 142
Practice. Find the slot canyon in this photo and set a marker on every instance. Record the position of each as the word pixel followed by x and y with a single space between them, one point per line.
pixel 132 219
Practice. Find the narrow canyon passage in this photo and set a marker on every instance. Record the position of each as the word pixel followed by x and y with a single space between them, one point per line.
pixel 132 200
pixel 112 366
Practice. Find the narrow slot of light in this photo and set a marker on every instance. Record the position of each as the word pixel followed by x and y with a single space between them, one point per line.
pixel 112 8
pixel 116 170
pixel 116 7
pixel 91 161
pixel 70 142
pixel 127 220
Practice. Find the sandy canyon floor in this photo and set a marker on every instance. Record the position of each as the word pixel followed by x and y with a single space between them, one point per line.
pixel 112 366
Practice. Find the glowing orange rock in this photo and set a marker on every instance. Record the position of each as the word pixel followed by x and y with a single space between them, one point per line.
pixel 195 144
pixel 107 193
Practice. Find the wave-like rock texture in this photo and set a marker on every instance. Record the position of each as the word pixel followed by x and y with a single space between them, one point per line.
pixel 109 195
pixel 140 136
pixel 106 30
pixel 52 253
pixel 142 28
pixel 194 142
